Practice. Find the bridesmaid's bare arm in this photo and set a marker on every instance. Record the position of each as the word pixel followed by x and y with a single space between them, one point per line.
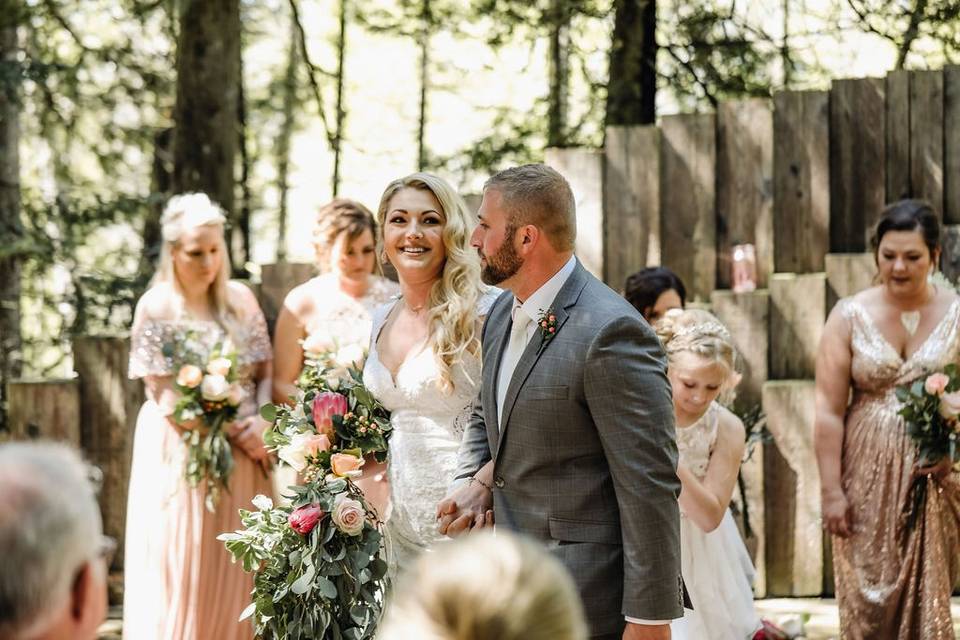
pixel 832 396
pixel 287 350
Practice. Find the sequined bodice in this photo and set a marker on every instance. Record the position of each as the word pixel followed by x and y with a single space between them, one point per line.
pixel 877 368
pixel 696 442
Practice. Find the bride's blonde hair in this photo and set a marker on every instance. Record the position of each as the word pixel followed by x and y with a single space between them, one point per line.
pixel 452 304
pixel 185 212
pixel 699 332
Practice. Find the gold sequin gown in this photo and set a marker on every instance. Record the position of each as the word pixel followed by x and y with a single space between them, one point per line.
pixel 893 582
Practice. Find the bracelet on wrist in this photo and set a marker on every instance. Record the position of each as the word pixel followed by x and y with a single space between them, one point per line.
pixel 481 483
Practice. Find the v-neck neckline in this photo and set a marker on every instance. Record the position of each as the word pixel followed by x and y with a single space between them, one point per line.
pixel 886 341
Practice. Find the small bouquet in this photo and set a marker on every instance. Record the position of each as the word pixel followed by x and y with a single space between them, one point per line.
pixel 931 413
pixel 209 390
pixel 318 571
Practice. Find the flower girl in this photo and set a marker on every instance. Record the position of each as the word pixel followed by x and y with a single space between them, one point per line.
pixel 711 439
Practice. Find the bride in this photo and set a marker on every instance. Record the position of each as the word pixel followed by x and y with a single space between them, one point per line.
pixel 424 361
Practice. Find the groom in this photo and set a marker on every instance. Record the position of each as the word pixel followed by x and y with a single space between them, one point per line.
pixel 576 413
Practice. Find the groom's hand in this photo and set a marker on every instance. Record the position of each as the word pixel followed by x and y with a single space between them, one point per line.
pixel 469 506
pixel 646 631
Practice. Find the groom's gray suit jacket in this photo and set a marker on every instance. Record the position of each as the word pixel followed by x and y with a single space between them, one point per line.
pixel 585 460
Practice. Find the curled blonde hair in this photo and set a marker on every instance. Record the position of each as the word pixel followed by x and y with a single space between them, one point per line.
pixel 185 212
pixel 699 332
pixel 486 586
pixel 452 303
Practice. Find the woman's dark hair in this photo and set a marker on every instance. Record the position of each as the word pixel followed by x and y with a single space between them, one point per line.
pixel 909 215
pixel 644 287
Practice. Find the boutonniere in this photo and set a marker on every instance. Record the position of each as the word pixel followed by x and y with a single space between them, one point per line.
pixel 547 323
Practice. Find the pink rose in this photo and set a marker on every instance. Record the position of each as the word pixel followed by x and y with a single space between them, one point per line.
pixel 325 406
pixel 189 376
pixel 219 367
pixel 936 384
pixel 950 405
pixel 346 465
pixel 304 519
pixel 316 443
pixel 348 515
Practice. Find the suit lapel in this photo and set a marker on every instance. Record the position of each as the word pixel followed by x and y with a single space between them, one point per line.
pixel 567 297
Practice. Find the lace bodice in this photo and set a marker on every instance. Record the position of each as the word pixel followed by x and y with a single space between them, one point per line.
pixel 696 442
pixel 876 367
pixel 342 318
pixel 427 428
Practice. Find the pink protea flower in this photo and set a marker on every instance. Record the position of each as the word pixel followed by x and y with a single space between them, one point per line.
pixel 304 519
pixel 325 406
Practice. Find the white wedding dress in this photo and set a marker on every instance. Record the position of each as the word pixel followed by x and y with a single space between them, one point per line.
pixel 716 567
pixel 428 426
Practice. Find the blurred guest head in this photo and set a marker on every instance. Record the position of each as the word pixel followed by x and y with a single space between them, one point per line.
pixel 527 212
pixel 345 239
pixel 426 230
pixel 52 550
pixel 906 246
pixel 701 358
pixel 654 291
pixel 486 586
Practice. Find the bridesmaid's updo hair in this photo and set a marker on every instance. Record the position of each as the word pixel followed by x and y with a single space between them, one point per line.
pixel 337 217
pixel 909 215
pixel 699 332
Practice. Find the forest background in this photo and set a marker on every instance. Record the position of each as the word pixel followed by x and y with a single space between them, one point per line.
pixel 108 107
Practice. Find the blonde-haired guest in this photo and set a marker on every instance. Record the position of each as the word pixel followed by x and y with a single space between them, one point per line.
pixel 701 364
pixel 486 586
pixel 424 361
pixel 180 581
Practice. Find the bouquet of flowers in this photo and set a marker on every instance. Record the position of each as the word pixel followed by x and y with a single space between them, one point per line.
pixel 318 571
pixel 325 356
pixel 931 413
pixel 209 390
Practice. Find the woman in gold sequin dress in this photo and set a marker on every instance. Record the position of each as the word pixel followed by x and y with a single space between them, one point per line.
pixel 180 581
pixel 892 581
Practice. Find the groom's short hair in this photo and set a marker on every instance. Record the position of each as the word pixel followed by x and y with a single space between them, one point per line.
pixel 537 194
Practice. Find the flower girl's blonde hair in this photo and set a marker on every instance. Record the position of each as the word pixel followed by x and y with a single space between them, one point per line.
pixel 699 332
pixel 452 304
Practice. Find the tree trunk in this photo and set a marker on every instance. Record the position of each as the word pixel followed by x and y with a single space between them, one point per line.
pixel 205 116
pixel 283 142
pixel 632 90
pixel 427 21
pixel 341 111
pixel 241 234
pixel 161 187
pixel 11 228
pixel 558 21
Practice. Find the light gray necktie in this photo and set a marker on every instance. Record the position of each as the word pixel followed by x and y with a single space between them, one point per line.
pixel 511 356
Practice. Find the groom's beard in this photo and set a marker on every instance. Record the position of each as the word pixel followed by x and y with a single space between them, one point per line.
pixel 503 264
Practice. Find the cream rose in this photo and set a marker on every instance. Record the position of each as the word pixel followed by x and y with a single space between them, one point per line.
pixel 345 465
pixel 317 344
pixel 214 388
pixel 950 405
pixel 349 355
pixel 219 367
pixel 936 384
pixel 236 395
pixel 189 376
pixel 295 453
pixel 348 515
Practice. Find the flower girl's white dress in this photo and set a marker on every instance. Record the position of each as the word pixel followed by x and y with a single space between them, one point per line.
pixel 716 566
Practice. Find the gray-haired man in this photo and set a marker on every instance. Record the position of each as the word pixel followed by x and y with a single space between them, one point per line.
pixel 52 572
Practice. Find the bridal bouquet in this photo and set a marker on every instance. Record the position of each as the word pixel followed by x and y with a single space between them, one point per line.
pixel 931 412
pixel 209 390
pixel 324 356
pixel 318 571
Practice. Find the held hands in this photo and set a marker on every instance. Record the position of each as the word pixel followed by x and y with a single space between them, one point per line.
pixel 837 515
pixel 248 435
pixel 646 631
pixel 468 507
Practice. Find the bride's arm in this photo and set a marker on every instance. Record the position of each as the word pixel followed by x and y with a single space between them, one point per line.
pixel 705 502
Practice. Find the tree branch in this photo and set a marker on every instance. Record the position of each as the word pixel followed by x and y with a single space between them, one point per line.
pixel 312 70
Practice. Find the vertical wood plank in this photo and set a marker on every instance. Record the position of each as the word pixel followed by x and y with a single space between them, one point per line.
pixel 857 162
pixel 798 306
pixel 801 168
pixel 951 144
pixel 583 169
pixel 276 281
pixel 47 409
pixel 109 404
pixel 897 131
pixel 926 137
pixel 688 200
pixel 744 184
pixel 631 201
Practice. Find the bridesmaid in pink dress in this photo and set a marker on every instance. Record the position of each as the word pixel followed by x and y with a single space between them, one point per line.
pixel 180 583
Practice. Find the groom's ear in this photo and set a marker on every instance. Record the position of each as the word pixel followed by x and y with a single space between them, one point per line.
pixel 529 234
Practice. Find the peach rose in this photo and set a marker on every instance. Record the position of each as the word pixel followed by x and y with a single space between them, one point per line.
pixel 236 395
pixel 219 367
pixel 189 376
pixel 950 405
pixel 936 384
pixel 316 443
pixel 348 515
pixel 346 465
pixel 214 388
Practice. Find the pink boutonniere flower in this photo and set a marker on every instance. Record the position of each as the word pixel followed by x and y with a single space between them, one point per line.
pixel 547 324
